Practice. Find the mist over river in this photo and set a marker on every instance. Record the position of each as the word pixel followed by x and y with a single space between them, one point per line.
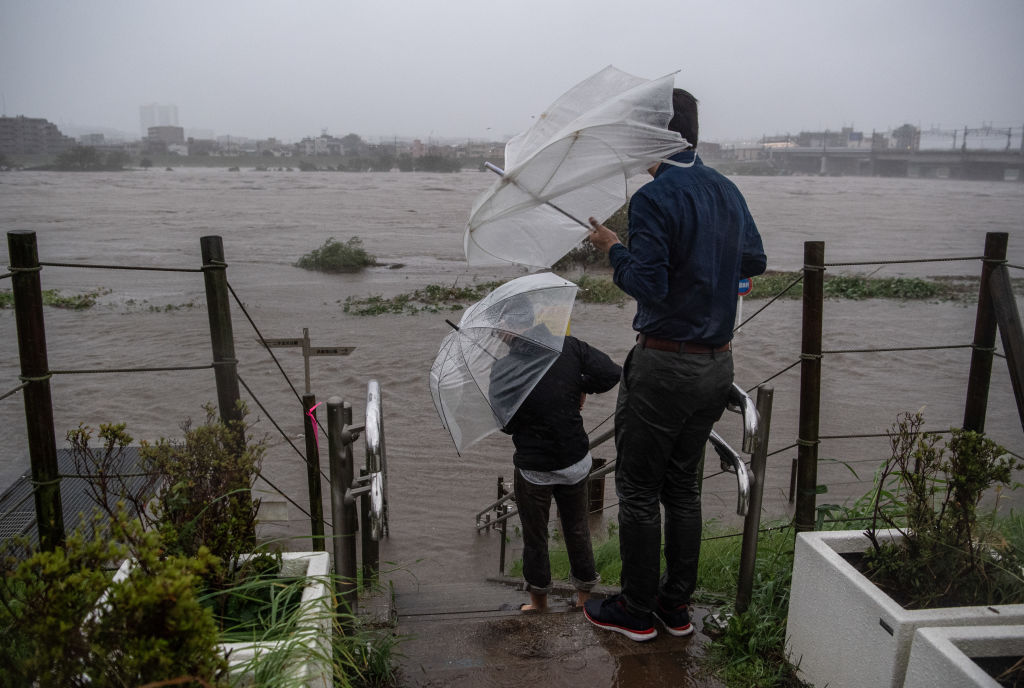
pixel 268 219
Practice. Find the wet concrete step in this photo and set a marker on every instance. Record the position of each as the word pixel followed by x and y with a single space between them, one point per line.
pixel 472 634
pixel 459 598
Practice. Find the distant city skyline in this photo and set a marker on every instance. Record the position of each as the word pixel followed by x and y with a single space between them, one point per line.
pixel 982 135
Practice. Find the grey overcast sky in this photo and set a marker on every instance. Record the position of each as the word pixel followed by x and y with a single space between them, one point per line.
pixel 479 69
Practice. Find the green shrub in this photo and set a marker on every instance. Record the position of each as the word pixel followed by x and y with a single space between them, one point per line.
pixel 150 626
pixel 335 256
pixel 599 290
pixel 586 255
pixel 205 498
pixel 930 490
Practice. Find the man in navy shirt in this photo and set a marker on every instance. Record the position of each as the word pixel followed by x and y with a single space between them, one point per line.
pixel 691 239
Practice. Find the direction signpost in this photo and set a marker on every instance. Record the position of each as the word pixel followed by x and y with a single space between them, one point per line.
pixel 310 423
pixel 308 350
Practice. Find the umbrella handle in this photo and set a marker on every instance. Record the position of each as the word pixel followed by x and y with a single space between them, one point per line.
pixel 501 173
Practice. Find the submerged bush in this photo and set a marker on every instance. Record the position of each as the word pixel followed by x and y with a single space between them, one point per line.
pixel 335 256
pixel 53 297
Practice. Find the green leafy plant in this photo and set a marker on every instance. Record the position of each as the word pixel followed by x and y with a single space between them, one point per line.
pixel 64 623
pixel 585 255
pixel 930 491
pixel 202 521
pixel 335 256
pixel 204 498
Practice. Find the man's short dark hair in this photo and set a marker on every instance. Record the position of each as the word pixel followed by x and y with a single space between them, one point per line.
pixel 684 115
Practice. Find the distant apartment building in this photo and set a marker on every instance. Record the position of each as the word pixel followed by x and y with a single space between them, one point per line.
pixel 167 135
pixel 846 137
pixel 32 136
pixel 155 115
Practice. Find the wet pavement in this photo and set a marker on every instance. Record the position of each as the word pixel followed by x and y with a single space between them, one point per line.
pixel 473 635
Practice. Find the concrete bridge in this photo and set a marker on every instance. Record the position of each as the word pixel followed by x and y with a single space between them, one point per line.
pixel 987 165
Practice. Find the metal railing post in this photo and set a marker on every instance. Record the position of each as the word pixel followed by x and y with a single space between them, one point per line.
pixel 370 547
pixel 35 373
pixel 595 488
pixel 983 346
pixel 752 522
pixel 339 415
pixel 810 385
pixel 502 528
pixel 316 505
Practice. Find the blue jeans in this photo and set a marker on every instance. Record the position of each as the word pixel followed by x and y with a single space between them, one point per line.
pixel 534 505
pixel 667 405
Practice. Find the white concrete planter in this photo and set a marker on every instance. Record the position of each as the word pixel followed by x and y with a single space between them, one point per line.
pixel 843 632
pixel 312 630
pixel 945 656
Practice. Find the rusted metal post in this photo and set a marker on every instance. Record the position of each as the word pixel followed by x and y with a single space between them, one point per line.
pixel 752 522
pixel 984 336
pixel 595 489
pixel 225 365
pixel 503 526
pixel 35 373
pixel 339 417
pixel 810 385
pixel 316 504
pixel 370 547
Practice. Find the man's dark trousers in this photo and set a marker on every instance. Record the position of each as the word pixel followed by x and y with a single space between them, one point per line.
pixel 667 405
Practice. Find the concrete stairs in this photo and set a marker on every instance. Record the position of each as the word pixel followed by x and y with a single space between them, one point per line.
pixel 472 634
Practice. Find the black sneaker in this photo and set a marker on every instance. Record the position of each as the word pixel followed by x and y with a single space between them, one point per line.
pixel 611 615
pixel 676 620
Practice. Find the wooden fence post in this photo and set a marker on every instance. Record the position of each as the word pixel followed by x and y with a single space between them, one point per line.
pixel 810 385
pixel 35 373
pixel 984 336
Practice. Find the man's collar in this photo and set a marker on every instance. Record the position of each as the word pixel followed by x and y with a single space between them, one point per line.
pixel 688 156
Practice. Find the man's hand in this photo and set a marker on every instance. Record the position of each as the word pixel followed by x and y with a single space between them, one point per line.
pixel 601 237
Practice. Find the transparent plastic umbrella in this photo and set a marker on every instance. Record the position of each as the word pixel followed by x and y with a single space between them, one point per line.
pixel 497 354
pixel 572 164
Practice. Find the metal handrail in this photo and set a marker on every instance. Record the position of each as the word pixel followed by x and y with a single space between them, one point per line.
pixel 374 483
pixel 731 462
pixel 740 402
pixel 376 463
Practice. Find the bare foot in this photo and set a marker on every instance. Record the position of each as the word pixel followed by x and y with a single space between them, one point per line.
pixel 538 603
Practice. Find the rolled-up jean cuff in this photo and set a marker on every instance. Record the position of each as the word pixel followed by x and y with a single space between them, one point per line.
pixel 584 586
pixel 539 590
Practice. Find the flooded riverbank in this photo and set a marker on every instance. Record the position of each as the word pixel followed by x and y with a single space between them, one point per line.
pixel 269 219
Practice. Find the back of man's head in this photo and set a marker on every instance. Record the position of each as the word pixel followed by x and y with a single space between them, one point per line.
pixel 684 115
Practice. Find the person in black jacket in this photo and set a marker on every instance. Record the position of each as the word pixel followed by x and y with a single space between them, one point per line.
pixel 552 459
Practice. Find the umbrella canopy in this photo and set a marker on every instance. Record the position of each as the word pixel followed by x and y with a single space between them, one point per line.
pixel 497 354
pixel 572 164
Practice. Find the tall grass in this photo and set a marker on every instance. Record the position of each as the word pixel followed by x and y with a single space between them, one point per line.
pixel 323 642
